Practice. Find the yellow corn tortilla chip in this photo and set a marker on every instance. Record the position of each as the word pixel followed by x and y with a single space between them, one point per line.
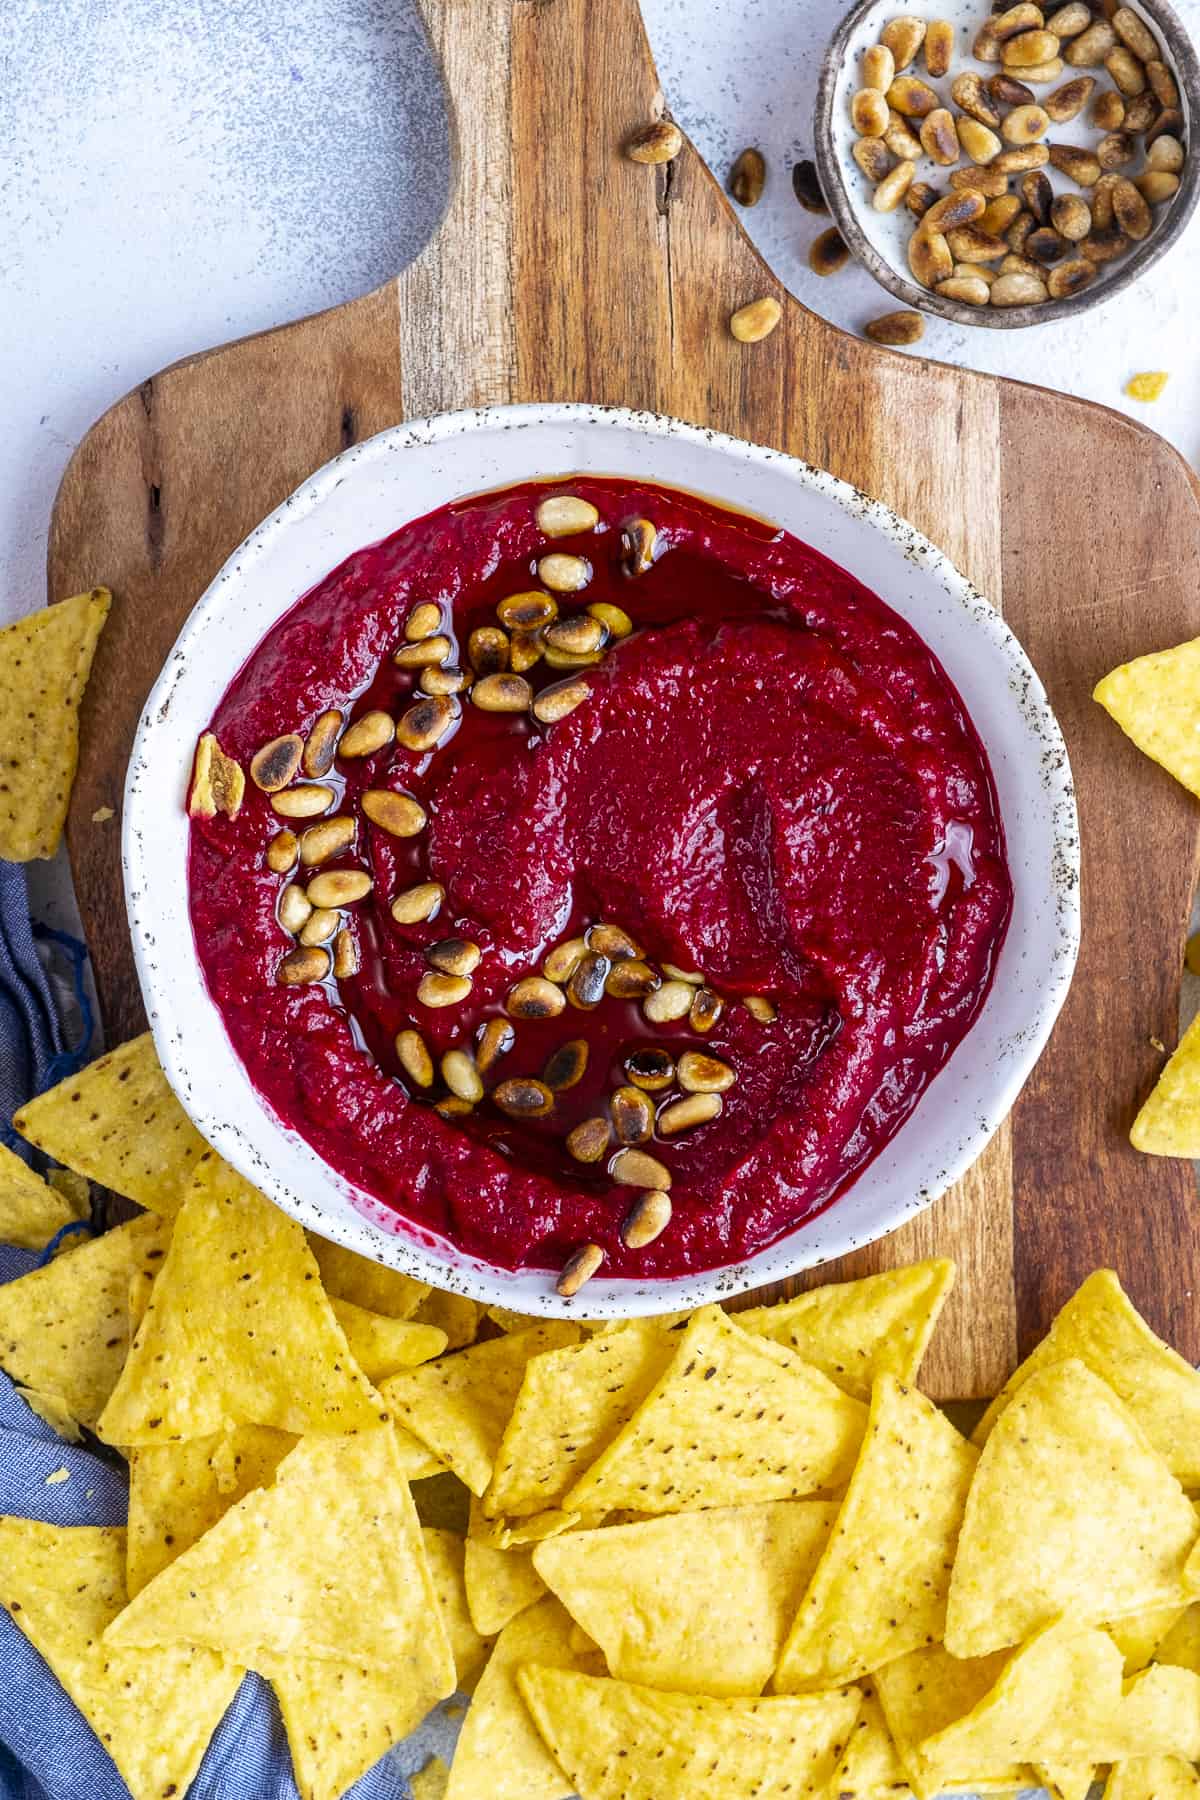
pixel 499 1753
pixel 340 1718
pixel 734 1420
pixel 45 661
pixel 1169 1121
pixel 177 1492
pixel 855 1331
pixel 416 1459
pixel 1062 1697
pixel 75 1189
pixel 880 1587
pixel 571 1404
pixel 871 1768
pixel 238 1329
pixel 153 1711
pixel 382 1346
pixel 54 1412
pixel 1101 1326
pixel 31 1211
pixel 460 1404
pixel 508 1320
pixel 1139 1636
pixel 1071 1512
pixel 1181 1646
pixel 1066 1781
pixel 454 1314
pixel 431 1782
pixel 500 1584
pixel 348 1276
pixel 118 1122
pixel 445 1552
pixel 64 1329
pixel 621 1742
pixel 328 1562
pixel 928 1690
pixel 1152 1778
pixel 1155 700
pixel 698 1603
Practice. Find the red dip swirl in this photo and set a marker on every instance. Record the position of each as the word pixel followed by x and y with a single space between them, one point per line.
pixel 770 782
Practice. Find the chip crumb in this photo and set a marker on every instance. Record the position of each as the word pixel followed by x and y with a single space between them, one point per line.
pixel 1157 1044
pixel 1148 385
pixel 102 815
pixel 430 1782
pixel 58 1475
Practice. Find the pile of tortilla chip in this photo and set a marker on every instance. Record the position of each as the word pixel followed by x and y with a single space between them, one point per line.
pixel 1156 701
pixel 691 1558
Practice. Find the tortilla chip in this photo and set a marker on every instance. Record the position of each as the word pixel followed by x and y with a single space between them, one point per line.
pixel 1169 1121
pixel 218 782
pixel 177 1492
pixel 454 1314
pixel 118 1122
pixel 695 1603
pixel 880 1587
pixel 1100 1325
pixel 1139 1636
pixel 1152 1778
pixel 445 1552
pixel 348 1276
pixel 154 1711
pixel 30 1209
pixel 45 661
pixel 508 1320
pixel 499 1753
pixel 620 1742
pixel 1181 1646
pixel 53 1411
pixel 500 1584
pixel 340 1718
pixel 431 1782
pixel 239 1285
pixel 855 1331
pixel 1066 1781
pixel 1156 701
pixel 571 1405
pixel 1071 1512
pixel 64 1329
pixel 382 1346
pixel 734 1420
pixel 460 1404
pixel 1061 1697
pixel 326 1563
pixel 871 1768
pixel 75 1189
pixel 417 1461
pixel 928 1690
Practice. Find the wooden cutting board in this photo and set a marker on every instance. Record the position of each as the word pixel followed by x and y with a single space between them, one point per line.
pixel 563 271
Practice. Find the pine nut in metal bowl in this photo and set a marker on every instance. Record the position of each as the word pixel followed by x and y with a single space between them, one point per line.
pixel 1097 123
pixel 685 1041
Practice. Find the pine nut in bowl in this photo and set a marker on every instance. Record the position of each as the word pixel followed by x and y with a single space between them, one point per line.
pixel 580 1008
pixel 1007 167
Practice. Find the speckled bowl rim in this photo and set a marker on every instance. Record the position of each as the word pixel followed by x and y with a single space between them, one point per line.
pixel 170 986
pixel 1008 318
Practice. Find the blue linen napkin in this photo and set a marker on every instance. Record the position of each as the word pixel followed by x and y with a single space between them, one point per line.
pixel 47 1750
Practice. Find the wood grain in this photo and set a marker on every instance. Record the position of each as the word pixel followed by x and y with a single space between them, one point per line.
pixel 562 271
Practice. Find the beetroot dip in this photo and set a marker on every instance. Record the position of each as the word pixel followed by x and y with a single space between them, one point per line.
pixel 770 781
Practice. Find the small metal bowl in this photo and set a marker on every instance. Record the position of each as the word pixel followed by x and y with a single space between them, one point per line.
pixel 879 240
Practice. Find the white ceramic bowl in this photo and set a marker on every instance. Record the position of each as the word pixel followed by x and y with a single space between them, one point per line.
pixel 405 473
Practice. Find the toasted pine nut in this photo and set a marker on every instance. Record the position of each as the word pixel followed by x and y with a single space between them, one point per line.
pixel 1156 185
pixel 631 979
pixel 1169 120
pixel 705 1010
pixel 646 1219
pixel 970 290
pixel 424 621
pixel 398 814
pixel 1015 162
pixel 1163 84
pixel 657 143
pixel 685 1115
pixel 965 271
pixel 1070 20
pixel 423 726
pixel 525 612
pixel 1126 71
pixel 495 1040
pixel 1017 19
pixel 320 746
pixel 827 253
pixel 939 47
pixel 272 767
pixel 294 908
pixel 1025 124
pixel 898 139
pixel 1030 50
pixel 523 1098
pixel 878 67
pixel 652 1068
pixel 423 655
pixel 1044 245
pixel 345 954
pixel 1006 90
pixel 1165 153
pixel 1135 34
pixel 566 515
pixel 969 93
pixel 700 1074
pixel 282 852
pixel 300 967
pixel 1069 100
pixel 869 112
pixel 526 649
pixel 929 255
pixel 632 1115
pixel 566 1066
pixel 672 1000
pixel 896 328
pixel 615 620
pixel 1104 245
pixel 1116 150
pixel 961 208
pixel 752 323
pixel 910 96
pixel 487 650
pixel 589 1140
pixel 302 802
pixel 502 693
pixel 578 1269
pixel 939 137
pixel 563 960
pixel 328 838
pixel 903 36
pixel 1042 74
pixel 339 887
pixel 435 989
pixel 320 926
pixel 373 732
pixel 585 989
pixel 1018 290
pixel 1108 110
pixel 1021 265
pixel 748 177
pixel 986 47
pixel 970 243
pixel 444 680
pixel 454 956
pixel 1070 278
pixel 873 157
pixel 607 939
pixel 535 998
pixel 919 198
pixel 980 144
pixel 637 1168
pixel 999 214
pixel 1089 49
pixel 760 1008
pixel 453 1108
pixel 564 574
pixel 1071 216
pixel 414 1057
pixel 461 1076
pixel 418 903
pixel 892 189
pixel 559 700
